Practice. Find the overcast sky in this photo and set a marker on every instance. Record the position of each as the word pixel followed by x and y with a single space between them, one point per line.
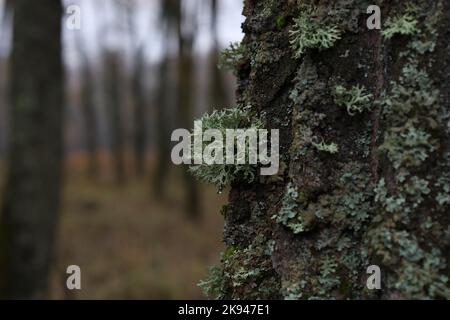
pixel 101 27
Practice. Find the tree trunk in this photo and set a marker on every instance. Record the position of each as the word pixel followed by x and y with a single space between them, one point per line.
pixel 162 127
pixel 185 120
pixel 185 100
pixel 32 196
pixel 90 118
pixel 140 115
pixel 381 199
pixel 218 93
pixel 114 107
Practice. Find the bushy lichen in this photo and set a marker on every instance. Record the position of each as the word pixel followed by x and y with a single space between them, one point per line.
pixel 355 100
pixel 405 107
pixel 310 33
pixel 328 278
pixel 242 270
pixel 330 148
pixel 231 57
pixel 222 175
pixel 213 285
pixel 418 271
pixel 410 198
pixel 405 25
pixel 443 183
pixel 289 213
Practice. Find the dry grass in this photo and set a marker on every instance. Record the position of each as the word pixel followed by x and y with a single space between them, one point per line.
pixel 130 246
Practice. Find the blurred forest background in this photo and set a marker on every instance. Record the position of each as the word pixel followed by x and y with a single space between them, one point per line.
pixel 138 227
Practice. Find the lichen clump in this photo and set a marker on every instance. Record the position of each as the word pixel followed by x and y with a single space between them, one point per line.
pixel 330 148
pixel 355 100
pixel 404 25
pixel 223 175
pixel 310 33
pixel 241 271
pixel 288 215
pixel 231 57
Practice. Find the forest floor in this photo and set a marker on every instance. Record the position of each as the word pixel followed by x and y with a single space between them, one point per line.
pixel 131 246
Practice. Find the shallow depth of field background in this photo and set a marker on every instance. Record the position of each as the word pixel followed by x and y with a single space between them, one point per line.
pixel 128 219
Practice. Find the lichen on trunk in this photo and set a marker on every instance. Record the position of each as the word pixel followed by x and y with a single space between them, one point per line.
pixel 364 123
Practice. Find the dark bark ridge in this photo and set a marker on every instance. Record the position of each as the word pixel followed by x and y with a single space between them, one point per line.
pixel 364 125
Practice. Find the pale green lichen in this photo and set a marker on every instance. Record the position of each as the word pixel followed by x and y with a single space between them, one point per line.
pixel 288 215
pixel 328 278
pixel 418 272
pixel 332 148
pixel 294 291
pixel 310 33
pixel 213 285
pixel 231 57
pixel 404 25
pixel 223 175
pixel 410 98
pixel 242 270
pixel 410 147
pixel 355 100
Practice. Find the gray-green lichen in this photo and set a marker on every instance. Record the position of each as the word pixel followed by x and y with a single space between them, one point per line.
pixel 330 148
pixel 355 100
pixel 288 214
pixel 231 57
pixel 309 33
pixel 223 175
pixel 405 25
pixel 241 271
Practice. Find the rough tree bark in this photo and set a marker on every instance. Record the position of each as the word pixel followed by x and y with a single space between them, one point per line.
pixel 360 184
pixel 32 195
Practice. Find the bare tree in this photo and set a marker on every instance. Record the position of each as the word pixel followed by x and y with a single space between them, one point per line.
pixel 32 196
pixel 88 111
pixel 185 103
pixel 218 95
pixel 137 84
pixel 113 79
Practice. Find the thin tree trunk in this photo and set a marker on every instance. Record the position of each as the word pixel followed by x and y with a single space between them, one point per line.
pixel 90 119
pixel 114 105
pixel 218 95
pixel 162 128
pixel 32 196
pixel 140 115
pixel 185 115
pixel 185 120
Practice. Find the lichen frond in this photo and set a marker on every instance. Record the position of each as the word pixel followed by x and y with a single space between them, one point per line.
pixel 332 148
pixel 355 99
pixel 223 175
pixel 231 57
pixel 308 33
pixel 404 25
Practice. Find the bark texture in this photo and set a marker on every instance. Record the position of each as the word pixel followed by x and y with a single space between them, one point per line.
pixel 32 193
pixel 364 178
